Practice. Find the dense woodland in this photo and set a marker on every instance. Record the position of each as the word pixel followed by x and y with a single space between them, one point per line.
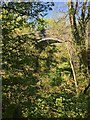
pixel 47 78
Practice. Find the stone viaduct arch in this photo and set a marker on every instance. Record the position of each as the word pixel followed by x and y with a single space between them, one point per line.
pixel 42 43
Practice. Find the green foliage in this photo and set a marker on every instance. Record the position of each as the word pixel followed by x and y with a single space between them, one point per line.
pixel 37 83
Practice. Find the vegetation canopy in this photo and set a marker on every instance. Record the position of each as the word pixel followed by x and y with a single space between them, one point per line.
pixel 45 60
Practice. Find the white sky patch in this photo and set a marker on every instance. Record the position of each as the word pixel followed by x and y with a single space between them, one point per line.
pixel 63 0
pixel 41 0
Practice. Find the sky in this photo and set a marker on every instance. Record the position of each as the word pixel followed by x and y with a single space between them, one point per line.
pixel 42 0
pixel 58 9
pixel 62 0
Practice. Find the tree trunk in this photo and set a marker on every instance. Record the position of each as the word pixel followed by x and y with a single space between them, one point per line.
pixel 72 18
pixel 72 59
pixel 88 54
pixel 88 50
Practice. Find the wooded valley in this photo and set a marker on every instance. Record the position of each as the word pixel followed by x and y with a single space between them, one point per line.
pixel 45 61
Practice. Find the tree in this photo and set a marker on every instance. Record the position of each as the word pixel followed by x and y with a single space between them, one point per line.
pixel 19 56
pixel 79 18
pixel 37 76
pixel 79 15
